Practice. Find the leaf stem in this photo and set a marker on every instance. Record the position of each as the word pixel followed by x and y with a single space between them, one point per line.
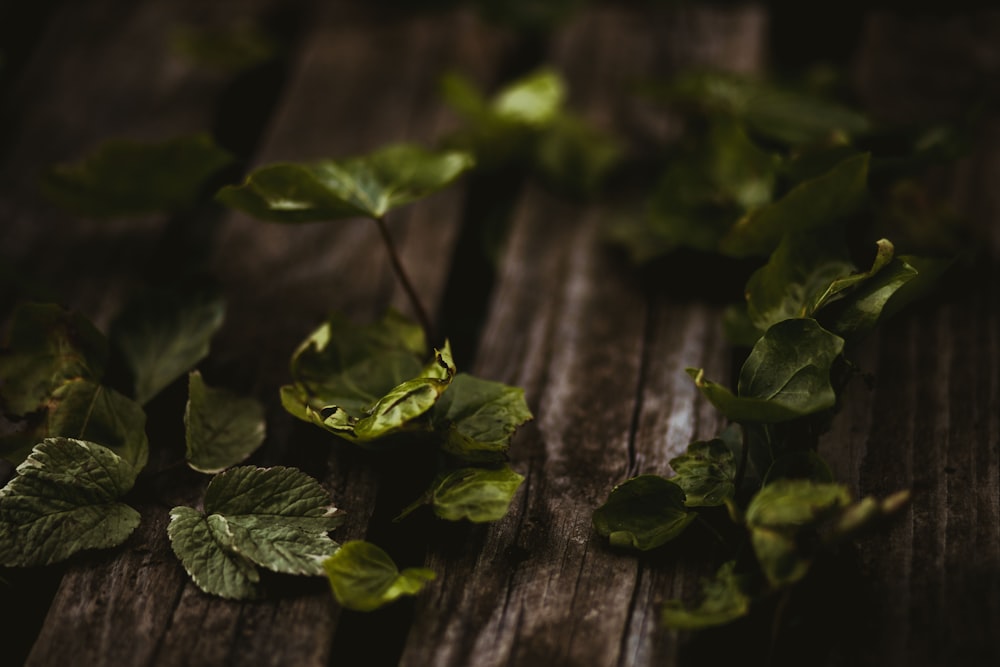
pixel 703 522
pixel 411 293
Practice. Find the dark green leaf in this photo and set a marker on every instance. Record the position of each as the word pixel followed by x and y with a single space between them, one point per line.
pixel 163 335
pixel 574 155
pixel 814 204
pixel 779 513
pixel 87 411
pixel 368 186
pixel 780 114
pixel 643 513
pixel 64 499
pixel 222 429
pixel 904 280
pixel 364 383
pixel 479 417
pixel 805 273
pixel 724 599
pixel 276 518
pixel 364 578
pixel 787 375
pixel 46 347
pixel 479 495
pixel 129 178
pixel 706 473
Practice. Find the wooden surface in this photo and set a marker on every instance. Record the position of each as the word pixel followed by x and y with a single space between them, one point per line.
pixel 599 347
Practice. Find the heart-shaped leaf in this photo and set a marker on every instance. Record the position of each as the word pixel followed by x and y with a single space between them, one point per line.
pixel 368 186
pixel 643 513
pixel 221 428
pixel 276 518
pixel 364 577
pixel 786 376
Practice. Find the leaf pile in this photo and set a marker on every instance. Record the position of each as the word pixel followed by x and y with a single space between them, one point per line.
pixel 780 175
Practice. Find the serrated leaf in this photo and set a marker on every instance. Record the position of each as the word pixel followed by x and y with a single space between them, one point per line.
pixel 88 411
pixel 128 178
pixel 643 513
pixel 706 473
pixel 47 346
pixel 363 577
pixel 804 274
pixel 809 206
pixel 777 515
pixel 479 495
pixel 64 499
pixel 276 518
pixel 724 598
pixel 213 568
pixel 786 376
pixel 162 335
pixel 479 417
pixel 221 428
pixel 366 186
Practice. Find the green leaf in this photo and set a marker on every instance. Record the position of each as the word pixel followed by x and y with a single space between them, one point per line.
pixel 797 119
pixel 365 383
pixel 364 577
pixel 780 114
pixel 276 518
pixel 221 428
pixel 479 417
pixel 704 189
pixel 479 495
pixel 778 515
pixel 162 335
pixel 368 186
pixel 46 347
pixel 809 206
pixel 574 155
pixel 352 366
pixel 786 376
pixel 904 280
pixel 724 599
pixel 64 499
pixel 643 513
pixel 531 100
pixel 88 411
pixel 706 473
pixel 130 178
pixel 804 274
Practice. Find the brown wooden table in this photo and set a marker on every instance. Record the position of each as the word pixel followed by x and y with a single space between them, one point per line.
pixel 599 350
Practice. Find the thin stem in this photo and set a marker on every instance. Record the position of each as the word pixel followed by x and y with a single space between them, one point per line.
pixel 411 293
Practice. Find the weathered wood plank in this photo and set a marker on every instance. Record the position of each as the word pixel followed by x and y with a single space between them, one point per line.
pixel 932 421
pixel 540 587
pixel 358 83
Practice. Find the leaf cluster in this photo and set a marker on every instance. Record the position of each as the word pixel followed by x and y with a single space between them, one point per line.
pixel 758 161
pixel 778 175
pixel 525 125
